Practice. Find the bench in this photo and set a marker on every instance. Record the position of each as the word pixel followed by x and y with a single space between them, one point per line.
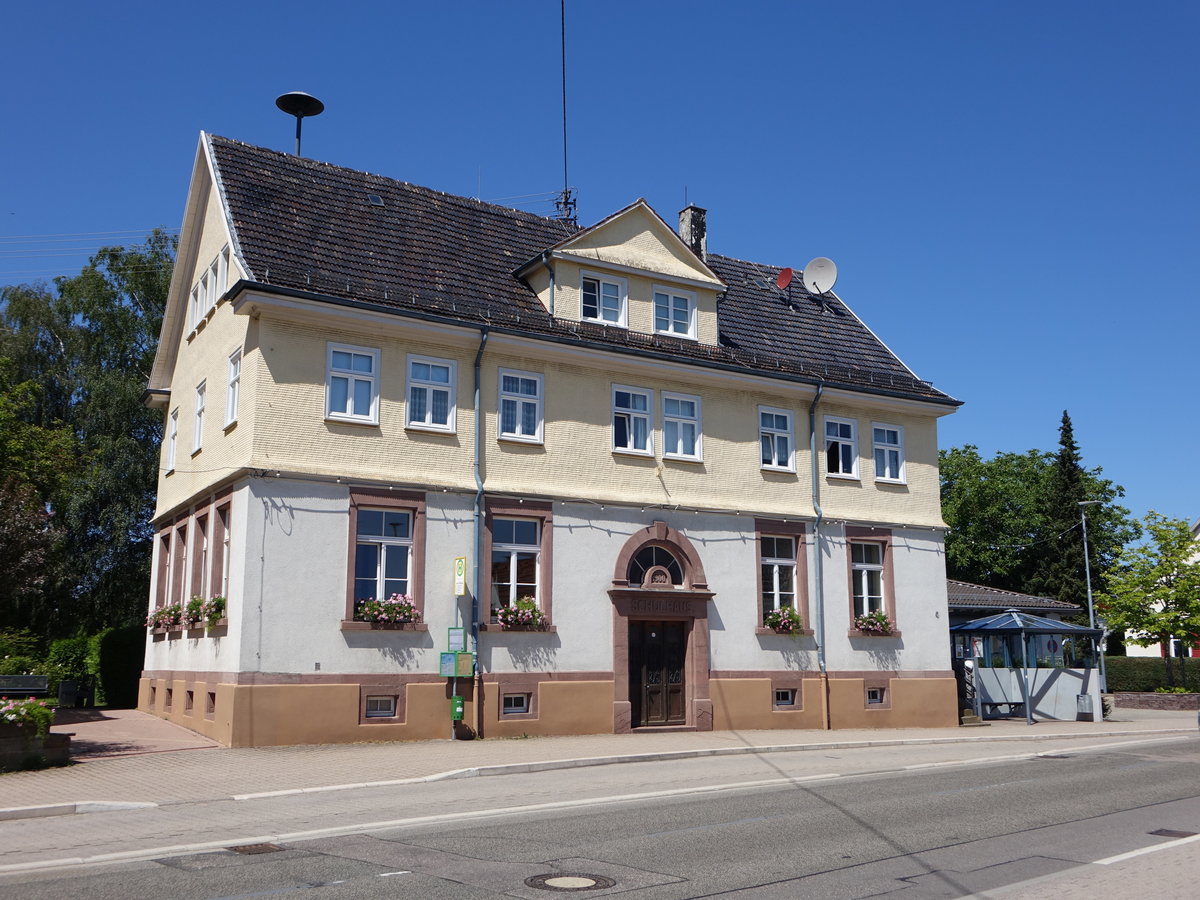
pixel 1011 704
pixel 24 686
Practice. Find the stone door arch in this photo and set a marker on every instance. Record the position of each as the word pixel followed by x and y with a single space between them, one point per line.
pixel 677 595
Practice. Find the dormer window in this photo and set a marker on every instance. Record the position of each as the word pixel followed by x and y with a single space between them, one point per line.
pixel 674 312
pixel 603 300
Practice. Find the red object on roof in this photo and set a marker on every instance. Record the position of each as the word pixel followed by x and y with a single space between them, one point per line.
pixel 784 279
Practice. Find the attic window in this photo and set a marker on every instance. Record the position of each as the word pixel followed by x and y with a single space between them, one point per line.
pixel 374 199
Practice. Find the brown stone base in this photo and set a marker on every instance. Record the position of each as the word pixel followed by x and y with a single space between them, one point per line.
pixel 289 709
pixel 927 701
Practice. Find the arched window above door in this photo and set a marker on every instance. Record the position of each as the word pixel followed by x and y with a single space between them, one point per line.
pixel 654 566
pixel 659 557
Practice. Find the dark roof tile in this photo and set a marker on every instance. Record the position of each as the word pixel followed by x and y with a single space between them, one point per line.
pixel 309 226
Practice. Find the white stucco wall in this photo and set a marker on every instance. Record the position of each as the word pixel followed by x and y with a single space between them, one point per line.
pixel 289 593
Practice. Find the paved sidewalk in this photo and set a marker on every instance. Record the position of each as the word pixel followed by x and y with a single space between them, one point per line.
pixel 132 769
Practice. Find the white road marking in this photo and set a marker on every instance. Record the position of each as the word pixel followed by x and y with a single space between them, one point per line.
pixel 1153 848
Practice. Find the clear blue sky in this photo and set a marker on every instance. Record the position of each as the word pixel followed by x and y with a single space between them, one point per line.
pixel 1009 189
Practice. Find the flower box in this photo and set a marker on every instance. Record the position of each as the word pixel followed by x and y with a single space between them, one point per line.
pixel 359 625
pixel 874 624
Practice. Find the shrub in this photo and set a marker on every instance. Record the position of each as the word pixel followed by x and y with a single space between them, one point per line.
pixel 35 715
pixel 1145 674
pixel 119 655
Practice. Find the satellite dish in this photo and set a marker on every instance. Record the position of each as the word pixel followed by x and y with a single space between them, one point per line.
pixel 819 275
pixel 784 279
pixel 299 104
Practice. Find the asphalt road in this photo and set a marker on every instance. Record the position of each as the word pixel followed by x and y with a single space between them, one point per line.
pixel 821 824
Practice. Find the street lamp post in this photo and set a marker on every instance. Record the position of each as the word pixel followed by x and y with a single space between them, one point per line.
pixel 1087 570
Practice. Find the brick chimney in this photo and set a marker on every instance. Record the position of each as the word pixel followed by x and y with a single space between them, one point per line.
pixel 693 230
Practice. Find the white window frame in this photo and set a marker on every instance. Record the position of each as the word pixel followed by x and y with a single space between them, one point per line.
pixel 371 416
pixel 234 389
pixel 784 697
pixel 198 419
pixel 851 442
pixel 622 287
pixel 382 542
pixel 772 433
pixel 521 400
pixel 775 562
pixel 673 294
pixel 429 388
pixel 516 704
pixel 384 710
pixel 513 549
pixel 172 438
pixel 194 314
pixel 668 451
pixel 223 270
pixel 214 286
pixel 886 447
pixel 860 570
pixel 631 415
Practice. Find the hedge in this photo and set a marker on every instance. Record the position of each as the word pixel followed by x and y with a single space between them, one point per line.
pixel 1145 673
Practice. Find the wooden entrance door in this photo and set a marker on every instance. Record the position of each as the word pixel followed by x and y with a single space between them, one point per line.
pixel 656 666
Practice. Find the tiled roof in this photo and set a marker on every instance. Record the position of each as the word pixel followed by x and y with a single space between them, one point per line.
pixel 963 595
pixel 309 226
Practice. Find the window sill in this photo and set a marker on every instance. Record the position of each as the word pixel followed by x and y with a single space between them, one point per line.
pixel 429 429
pixel 348 421
pixel 837 476
pixel 676 334
pixel 355 625
pixel 898 482
pixel 779 470
pixel 686 459
pixel 798 632
pixel 229 426
pixel 854 632
pixel 591 321
pixel 497 627
pixel 519 439
pixel 641 454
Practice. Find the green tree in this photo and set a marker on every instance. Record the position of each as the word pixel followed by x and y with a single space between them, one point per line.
pixel 1154 592
pixel 992 507
pixel 77 359
pixel 1009 523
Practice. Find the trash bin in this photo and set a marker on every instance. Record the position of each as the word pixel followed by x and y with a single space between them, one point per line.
pixel 1084 710
pixel 68 693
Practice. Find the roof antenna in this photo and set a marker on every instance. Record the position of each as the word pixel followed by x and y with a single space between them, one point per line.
pixel 565 204
pixel 299 104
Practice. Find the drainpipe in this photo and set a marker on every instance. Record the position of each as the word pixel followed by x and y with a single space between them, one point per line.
pixel 550 269
pixel 818 563
pixel 478 570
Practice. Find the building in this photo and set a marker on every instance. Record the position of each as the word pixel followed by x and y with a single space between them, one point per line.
pixel 968 601
pixel 653 446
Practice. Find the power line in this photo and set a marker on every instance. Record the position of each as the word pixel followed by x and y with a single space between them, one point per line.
pixel 70 235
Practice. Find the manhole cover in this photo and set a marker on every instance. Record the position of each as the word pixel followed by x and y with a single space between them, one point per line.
pixel 251 849
pixel 567 882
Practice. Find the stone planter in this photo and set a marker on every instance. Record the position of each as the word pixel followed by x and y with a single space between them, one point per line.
pixel 23 749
